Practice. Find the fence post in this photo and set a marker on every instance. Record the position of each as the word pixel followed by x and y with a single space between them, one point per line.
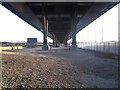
pixel 108 48
pixel 117 48
pixel 91 45
pixel 97 46
pixel 103 46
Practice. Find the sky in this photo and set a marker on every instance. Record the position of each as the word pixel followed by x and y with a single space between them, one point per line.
pixel 105 26
pixel 14 29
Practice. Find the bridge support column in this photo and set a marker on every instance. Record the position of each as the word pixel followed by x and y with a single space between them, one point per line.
pixel 73 29
pixel 1 2
pixel 119 32
pixel 45 46
pixel 73 46
pixel 53 39
pixel 65 42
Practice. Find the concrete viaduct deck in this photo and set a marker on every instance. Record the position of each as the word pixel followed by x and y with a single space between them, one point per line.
pixel 62 21
pixel 59 20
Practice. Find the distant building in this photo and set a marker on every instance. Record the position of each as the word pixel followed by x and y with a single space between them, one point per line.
pixel 6 43
pixel 31 42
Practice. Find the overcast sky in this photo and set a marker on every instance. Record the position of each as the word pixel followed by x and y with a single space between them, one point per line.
pixel 108 22
pixel 12 28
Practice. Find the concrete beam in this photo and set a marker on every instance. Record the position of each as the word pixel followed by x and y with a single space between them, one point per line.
pixel 55 16
pixel 60 0
pixel 59 16
pixel 60 32
pixel 57 22
pixel 49 4
pixel 26 14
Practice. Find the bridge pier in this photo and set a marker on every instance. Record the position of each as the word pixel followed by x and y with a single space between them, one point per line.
pixel 54 39
pixel 45 26
pixel 55 42
pixel 73 29
pixel 73 46
pixel 65 42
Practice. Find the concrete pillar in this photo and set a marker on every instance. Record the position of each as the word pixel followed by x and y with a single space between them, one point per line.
pixel 73 29
pixel 74 36
pixel 119 22
pixel 65 42
pixel 119 32
pixel 74 46
pixel 0 2
pixel 53 41
pixel 45 26
pixel 118 51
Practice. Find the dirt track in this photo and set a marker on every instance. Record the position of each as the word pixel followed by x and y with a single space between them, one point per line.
pixel 58 67
pixel 37 71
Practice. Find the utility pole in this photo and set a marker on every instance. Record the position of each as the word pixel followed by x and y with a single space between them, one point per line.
pixel 87 38
pixel 95 35
pixel 102 34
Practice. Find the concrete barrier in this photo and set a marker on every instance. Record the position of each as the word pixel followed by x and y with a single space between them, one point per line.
pixel 106 47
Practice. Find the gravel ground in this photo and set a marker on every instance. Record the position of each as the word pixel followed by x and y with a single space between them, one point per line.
pixel 23 70
pixel 58 68
pixel 94 71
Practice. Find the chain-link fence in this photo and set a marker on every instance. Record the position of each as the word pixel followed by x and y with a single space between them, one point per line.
pixel 107 47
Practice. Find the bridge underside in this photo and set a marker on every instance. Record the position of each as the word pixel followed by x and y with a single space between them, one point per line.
pixel 59 20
